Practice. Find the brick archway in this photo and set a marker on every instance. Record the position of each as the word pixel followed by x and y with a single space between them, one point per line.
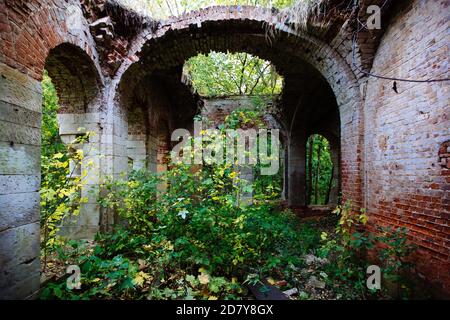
pixel 399 185
pixel 300 57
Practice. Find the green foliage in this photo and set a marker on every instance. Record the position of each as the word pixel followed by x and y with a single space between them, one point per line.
pixel 198 214
pixel 319 168
pixel 348 248
pixel 242 118
pixel 220 74
pixel 394 254
pixel 51 142
pixel 193 242
pixel 266 187
pixel 61 186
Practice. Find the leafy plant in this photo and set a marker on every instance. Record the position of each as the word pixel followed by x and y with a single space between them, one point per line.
pixel 348 249
pixel 63 174
pixel 393 254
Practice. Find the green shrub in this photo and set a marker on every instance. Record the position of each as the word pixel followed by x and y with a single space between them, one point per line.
pixel 347 251
pixel 191 237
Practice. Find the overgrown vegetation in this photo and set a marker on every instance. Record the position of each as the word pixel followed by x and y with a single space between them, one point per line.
pixel 62 179
pixel 185 234
pixel 194 242
pixel 347 250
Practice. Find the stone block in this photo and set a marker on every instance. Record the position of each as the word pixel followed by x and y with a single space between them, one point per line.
pixel 18 209
pixel 19 115
pixel 21 282
pixel 11 184
pixel 19 245
pixel 19 133
pixel 19 159
pixel 20 89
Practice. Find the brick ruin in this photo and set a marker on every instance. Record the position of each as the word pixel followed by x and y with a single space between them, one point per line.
pixel 119 74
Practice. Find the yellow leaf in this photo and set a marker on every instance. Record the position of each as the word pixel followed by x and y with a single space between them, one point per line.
pixel 212 298
pixel 84 200
pixel 58 155
pixel 169 246
pixel 140 278
pixel 203 278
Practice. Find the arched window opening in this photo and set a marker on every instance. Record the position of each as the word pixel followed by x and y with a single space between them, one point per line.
pixel 70 149
pixel 51 141
pixel 225 74
pixel 319 169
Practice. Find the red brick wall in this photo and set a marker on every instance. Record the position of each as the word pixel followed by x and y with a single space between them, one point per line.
pixel 406 183
pixel 29 29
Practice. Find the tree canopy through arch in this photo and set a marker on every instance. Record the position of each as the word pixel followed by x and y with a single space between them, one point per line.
pixel 221 74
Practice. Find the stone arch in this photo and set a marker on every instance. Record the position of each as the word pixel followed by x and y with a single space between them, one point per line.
pixel 78 86
pixel 42 25
pixel 245 30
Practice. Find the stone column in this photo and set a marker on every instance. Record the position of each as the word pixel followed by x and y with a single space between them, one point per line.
pixel 246 175
pixel 114 158
pixel 152 153
pixel 284 162
pixel 297 168
pixel 137 151
pixel 20 157
pixel 86 224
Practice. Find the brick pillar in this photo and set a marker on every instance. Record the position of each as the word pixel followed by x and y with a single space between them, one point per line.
pixel 335 158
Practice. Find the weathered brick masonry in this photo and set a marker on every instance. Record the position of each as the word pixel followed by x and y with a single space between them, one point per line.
pixel 122 80
pixel 406 135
